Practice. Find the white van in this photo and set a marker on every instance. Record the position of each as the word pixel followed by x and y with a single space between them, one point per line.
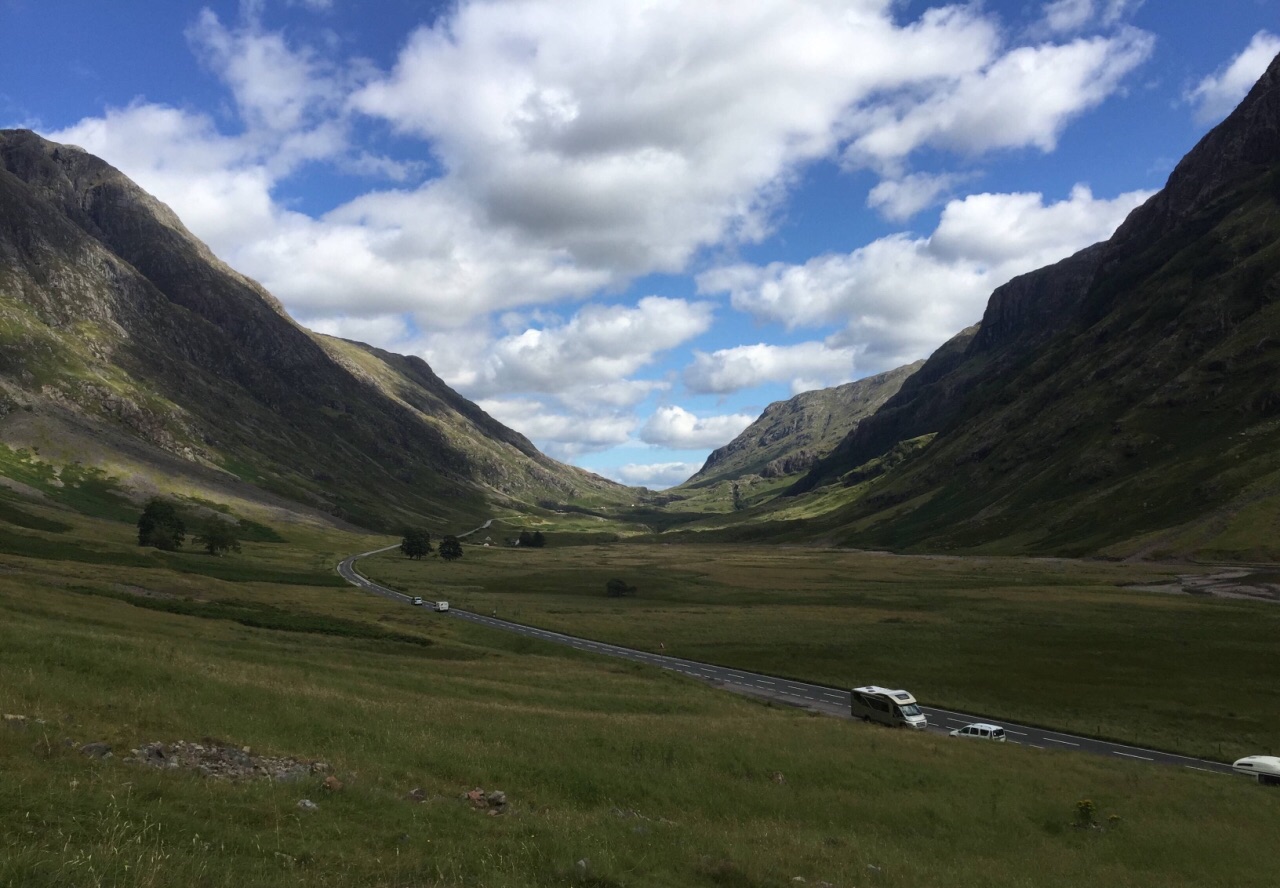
pixel 442 606
pixel 1263 768
pixel 889 707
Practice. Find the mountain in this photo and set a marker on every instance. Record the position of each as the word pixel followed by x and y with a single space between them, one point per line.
pixel 790 436
pixel 1125 400
pixel 124 340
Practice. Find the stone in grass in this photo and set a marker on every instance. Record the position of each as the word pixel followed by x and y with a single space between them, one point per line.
pixel 96 750
pixel 15 722
pixel 307 805
pixel 417 796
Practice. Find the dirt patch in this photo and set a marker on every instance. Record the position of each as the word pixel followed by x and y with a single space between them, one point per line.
pixel 1239 584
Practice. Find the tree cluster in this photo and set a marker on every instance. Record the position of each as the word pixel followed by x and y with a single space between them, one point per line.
pixel 416 543
pixel 160 526
pixel 533 540
pixel 218 537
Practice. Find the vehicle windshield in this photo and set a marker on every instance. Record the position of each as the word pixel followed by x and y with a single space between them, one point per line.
pixel 911 710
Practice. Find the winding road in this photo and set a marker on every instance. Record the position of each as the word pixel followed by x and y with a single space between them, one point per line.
pixel 819 698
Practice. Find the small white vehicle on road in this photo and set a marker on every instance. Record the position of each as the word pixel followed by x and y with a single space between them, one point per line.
pixel 886 706
pixel 442 606
pixel 982 731
pixel 1263 768
pixel 417 601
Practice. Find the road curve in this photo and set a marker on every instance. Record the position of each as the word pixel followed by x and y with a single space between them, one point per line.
pixel 806 695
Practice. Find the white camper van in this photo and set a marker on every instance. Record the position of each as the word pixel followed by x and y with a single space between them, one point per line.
pixel 889 707
pixel 442 606
pixel 1263 768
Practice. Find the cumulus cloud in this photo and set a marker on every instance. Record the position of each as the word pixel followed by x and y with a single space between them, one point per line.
pixel 655 476
pixel 1024 98
pixel 898 297
pixel 1214 97
pixel 679 429
pixel 577 144
pixel 900 199
pixel 562 434
pixel 599 346
pixel 807 366
pixel 1066 16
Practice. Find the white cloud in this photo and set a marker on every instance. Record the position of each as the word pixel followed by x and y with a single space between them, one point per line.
pixel 898 297
pixel 900 199
pixel 1068 16
pixel 806 366
pixel 278 88
pixel 580 143
pixel 563 435
pixel 1025 98
pixel 679 429
pixel 655 476
pixel 1217 95
pixel 598 347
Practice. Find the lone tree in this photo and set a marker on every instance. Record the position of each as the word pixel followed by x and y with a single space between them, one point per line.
pixel 218 537
pixel 538 541
pixel 160 526
pixel 416 543
pixel 526 539
pixel 616 588
pixel 450 548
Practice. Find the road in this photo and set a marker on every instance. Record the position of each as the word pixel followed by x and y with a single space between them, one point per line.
pixel 816 697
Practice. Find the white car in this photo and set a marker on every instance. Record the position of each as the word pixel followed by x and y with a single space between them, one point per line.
pixel 417 601
pixel 982 731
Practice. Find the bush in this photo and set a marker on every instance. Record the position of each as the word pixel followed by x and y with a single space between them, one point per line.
pixel 160 526
pixel 616 588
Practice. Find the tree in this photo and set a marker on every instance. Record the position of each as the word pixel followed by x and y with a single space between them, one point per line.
pixel 416 543
pixel 160 526
pixel 526 539
pixel 616 588
pixel 450 548
pixel 218 537
pixel 538 541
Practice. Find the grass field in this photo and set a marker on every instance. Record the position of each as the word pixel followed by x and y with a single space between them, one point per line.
pixel 649 778
pixel 1052 642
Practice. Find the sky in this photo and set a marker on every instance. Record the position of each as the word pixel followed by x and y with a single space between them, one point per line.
pixel 624 227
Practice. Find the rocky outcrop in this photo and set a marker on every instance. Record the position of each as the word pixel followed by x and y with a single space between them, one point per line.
pixel 791 435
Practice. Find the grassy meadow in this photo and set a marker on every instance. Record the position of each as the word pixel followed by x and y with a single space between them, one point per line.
pixel 1053 642
pixel 649 778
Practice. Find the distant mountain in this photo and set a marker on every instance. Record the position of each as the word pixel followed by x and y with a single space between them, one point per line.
pixel 119 330
pixel 1126 399
pixel 790 436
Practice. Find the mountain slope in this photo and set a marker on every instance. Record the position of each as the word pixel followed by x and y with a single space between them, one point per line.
pixel 114 315
pixel 1127 393
pixel 791 435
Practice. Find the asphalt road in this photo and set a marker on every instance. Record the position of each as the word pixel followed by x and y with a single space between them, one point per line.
pixel 820 698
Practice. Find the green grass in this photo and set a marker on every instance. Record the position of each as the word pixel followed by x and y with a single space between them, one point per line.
pixel 656 780
pixel 1061 643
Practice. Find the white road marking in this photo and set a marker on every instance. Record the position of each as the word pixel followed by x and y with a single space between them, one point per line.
pixel 1033 746
pixel 764 681
pixel 1129 755
pixel 1019 733
pixel 1063 742
pixel 1194 768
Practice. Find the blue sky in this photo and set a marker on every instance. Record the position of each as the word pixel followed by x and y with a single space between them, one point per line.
pixel 624 227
